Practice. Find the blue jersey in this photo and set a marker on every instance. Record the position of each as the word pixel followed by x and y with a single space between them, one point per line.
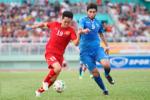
pixel 90 41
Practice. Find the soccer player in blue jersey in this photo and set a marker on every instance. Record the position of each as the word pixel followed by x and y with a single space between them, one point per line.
pixel 90 50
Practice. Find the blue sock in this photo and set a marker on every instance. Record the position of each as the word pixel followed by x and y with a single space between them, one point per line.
pixel 100 83
pixel 107 71
pixel 80 71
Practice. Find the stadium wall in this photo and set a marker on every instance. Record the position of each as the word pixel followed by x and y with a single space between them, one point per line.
pixel 22 62
pixel 31 56
pixel 32 62
pixel 38 62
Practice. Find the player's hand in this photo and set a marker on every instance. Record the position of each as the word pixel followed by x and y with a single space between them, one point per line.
pixel 85 30
pixel 107 50
pixel 79 31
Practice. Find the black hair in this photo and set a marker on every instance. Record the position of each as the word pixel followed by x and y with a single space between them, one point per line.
pixel 68 14
pixel 92 6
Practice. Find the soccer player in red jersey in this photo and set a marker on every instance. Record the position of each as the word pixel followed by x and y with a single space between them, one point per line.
pixel 61 34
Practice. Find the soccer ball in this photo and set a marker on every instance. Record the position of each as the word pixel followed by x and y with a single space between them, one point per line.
pixel 59 86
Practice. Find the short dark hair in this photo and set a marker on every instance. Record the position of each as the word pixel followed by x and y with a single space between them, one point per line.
pixel 92 6
pixel 68 14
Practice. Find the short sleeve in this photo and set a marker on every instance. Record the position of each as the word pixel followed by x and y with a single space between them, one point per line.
pixel 73 34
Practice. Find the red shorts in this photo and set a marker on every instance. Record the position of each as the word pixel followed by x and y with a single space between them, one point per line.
pixel 52 58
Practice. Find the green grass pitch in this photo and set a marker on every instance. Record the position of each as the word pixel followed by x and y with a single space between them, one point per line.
pixel 130 85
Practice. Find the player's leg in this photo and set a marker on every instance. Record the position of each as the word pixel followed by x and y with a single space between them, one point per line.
pixel 99 81
pixel 64 64
pixel 50 78
pixel 91 65
pixel 91 75
pixel 105 63
pixel 80 71
pixel 41 89
pixel 103 59
pixel 54 70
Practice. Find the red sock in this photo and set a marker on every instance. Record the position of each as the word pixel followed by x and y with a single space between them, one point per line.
pixel 47 79
pixel 49 76
pixel 50 83
pixel 41 90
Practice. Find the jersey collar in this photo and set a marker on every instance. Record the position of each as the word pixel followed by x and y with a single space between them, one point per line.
pixel 90 19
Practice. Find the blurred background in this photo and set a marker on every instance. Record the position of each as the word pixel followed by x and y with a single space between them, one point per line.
pixel 126 24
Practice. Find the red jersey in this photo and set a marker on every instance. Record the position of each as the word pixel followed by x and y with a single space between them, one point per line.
pixel 59 38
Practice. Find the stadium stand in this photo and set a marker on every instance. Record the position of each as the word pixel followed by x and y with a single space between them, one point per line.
pixel 127 22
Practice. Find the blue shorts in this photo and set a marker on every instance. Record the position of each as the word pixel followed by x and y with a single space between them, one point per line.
pixel 90 58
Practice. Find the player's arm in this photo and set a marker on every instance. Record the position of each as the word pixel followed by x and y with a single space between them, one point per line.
pixel 82 28
pixel 80 31
pixel 105 43
pixel 76 41
pixel 101 30
pixel 38 25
